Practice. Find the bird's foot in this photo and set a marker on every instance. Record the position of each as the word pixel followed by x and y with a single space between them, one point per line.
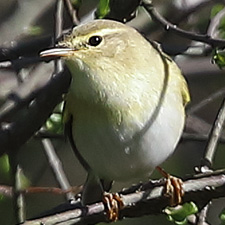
pixel 173 187
pixel 113 204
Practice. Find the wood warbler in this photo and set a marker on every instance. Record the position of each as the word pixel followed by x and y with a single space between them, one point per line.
pixel 125 105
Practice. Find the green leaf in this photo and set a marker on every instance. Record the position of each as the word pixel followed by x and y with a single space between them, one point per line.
pixel 179 214
pixel 34 30
pixel 55 123
pixel 215 9
pixel 221 28
pixel 219 58
pixel 76 3
pixel 4 164
pixel 22 182
pixel 222 217
pixel 103 8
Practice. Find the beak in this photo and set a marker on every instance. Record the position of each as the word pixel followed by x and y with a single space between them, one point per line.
pixel 57 52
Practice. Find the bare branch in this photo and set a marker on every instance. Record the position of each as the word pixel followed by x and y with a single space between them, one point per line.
pixel 6 191
pixel 123 10
pixel 72 12
pixel 207 100
pixel 24 126
pixel 25 48
pixel 215 134
pixel 150 201
pixel 198 137
pixel 19 196
pixel 173 28
pixel 57 168
pixel 214 24
pixel 201 219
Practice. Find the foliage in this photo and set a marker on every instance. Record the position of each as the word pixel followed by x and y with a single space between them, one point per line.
pixel 179 214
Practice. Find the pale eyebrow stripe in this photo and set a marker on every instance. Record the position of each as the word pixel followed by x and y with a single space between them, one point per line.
pixel 104 32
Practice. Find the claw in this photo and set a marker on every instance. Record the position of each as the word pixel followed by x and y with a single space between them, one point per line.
pixel 173 187
pixel 113 204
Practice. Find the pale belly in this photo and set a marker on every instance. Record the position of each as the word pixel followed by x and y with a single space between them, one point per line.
pixel 112 157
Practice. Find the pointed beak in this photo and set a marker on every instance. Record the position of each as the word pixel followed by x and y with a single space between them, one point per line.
pixel 57 52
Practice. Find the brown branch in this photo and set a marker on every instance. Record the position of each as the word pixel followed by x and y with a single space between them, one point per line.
pixel 150 200
pixel 8 191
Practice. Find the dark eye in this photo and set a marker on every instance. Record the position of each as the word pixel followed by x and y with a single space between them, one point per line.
pixel 94 40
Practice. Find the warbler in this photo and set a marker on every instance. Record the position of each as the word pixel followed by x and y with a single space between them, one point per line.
pixel 125 108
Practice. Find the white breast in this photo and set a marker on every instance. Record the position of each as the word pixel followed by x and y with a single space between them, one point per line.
pixel 113 157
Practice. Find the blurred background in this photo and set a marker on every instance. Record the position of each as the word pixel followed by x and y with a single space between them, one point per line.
pixel 26 22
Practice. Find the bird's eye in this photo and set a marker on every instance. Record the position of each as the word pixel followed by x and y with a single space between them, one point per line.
pixel 94 40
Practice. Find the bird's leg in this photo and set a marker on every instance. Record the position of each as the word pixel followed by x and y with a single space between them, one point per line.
pixel 113 204
pixel 173 187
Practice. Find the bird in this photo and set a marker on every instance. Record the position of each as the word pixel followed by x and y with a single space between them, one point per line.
pixel 125 108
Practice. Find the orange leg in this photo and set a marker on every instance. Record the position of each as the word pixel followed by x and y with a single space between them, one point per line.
pixel 173 187
pixel 113 204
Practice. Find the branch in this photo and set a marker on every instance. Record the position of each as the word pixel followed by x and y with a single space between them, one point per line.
pixel 207 100
pixel 56 166
pixel 173 28
pixel 215 134
pixel 150 200
pixel 123 10
pixel 198 137
pixel 72 12
pixel 27 123
pixel 9 191
pixel 25 48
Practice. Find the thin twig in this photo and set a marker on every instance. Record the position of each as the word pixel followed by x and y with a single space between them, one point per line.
pixel 173 28
pixel 213 30
pixel 207 161
pixel 45 134
pixel 58 191
pixel 20 200
pixel 8 191
pixel 215 134
pixel 201 218
pixel 55 163
pixel 58 31
pixel 72 12
pixel 57 168
pixel 26 124
pixel 198 137
pixel 206 101
pixel 193 9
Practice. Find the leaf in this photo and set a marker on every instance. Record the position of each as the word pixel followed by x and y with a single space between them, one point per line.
pixel 22 182
pixel 76 3
pixel 55 124
pixel 34 30
pixel 215 9
pixel 219 58
pixel 222 217
pixel 4 164
pixel 103 8
pixel 179 214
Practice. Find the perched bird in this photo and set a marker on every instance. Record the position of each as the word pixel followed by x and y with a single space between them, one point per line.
pixel 125 105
